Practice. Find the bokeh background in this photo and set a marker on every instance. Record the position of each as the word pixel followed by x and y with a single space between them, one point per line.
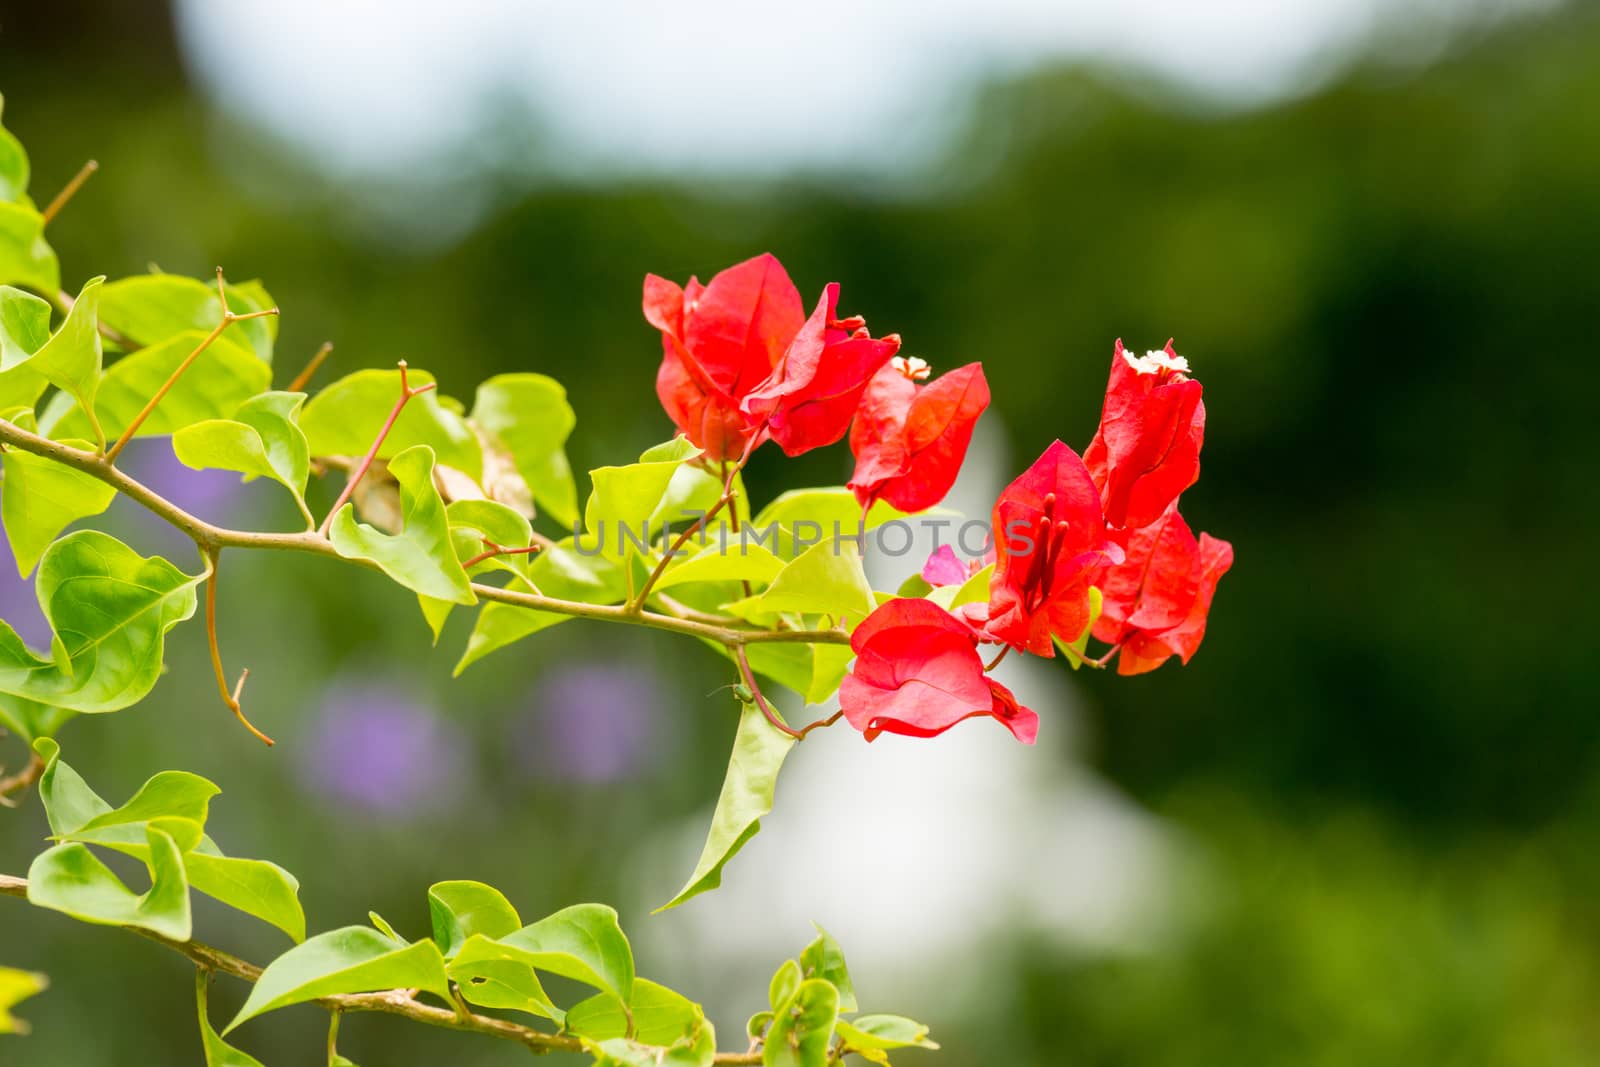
pixel 1361 827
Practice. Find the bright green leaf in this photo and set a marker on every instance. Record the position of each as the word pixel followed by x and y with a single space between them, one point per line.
pixel 110 609
pixel 802 1027
pixel 802 517
pixel 828 666
pixel 884 1033
pixel 503 983
pixel 421 556
pixel 151 308
pixel 758 753
pixel 616 519
pixel 255 887
pixel 40 498
pixel 13 166
pixel 25 257
pixel 15 987
pixel 530 415
pixel 354 959
pixel 71 359
pixel 785 981
pixel 68 878
pixel 260 440
pixel 757 1024
pixel 558 571
pixel 735 561
pixel 461 909
pixel 218 1052
pixel 24 329
pixel 583 943
pixel 660 1015
pixel 826 579
pixel 221 378
pixel 344 419
pixel 824 959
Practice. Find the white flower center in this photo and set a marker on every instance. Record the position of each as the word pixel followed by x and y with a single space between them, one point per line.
pixel 1155 362
pixel 912 367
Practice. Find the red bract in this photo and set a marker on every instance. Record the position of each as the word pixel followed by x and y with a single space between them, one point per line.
pixel 1050 541
pixel 917 672
pixel 909 439
pixel 1147 449
pixel 720 341
pixel 944 567
pixel 1157 599
pixel 814 390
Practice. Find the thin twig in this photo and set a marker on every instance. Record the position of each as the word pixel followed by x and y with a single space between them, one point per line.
pixel 491 550
pixel 67 192
pixel 22 780
pixel 406 393
pixel 228 319
pixel 213 557
pixel 303 379
pixel 754 686
pixel 391 1002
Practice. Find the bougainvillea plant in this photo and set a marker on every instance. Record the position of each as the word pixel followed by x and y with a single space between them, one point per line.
pixel 475 507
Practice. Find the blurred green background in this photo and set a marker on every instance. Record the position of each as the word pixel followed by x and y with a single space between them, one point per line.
pixel 1384 765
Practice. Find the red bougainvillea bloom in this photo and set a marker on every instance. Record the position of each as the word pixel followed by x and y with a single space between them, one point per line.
pixel 811 395
pixel 917 672
pixel 719 342
pixel 909 439
pixel 944 567
pixel 1050 542
pixel 1157 599
pixel 1147 449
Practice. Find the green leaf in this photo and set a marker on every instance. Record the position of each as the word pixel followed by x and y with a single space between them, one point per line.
pixel 110 609
pixel 25 257
pixel 421 556
pixel 461 909
pixel 973 590
pixel 530 415
pixel 715 562
pixel 660 1015
pixel 757 1025
pixel 13 166
pixel 384 927
pixel 344 419
pixel 68 878
pixel 884 1033
pixel 583 943
pixel 221 378
pixel 825 579
pixel 618 515
pixel 31 720
pixel 71 359
pixel 503 983
pixel 1074 650
pixel 354 959
pixel 255 887
pixel 40 498
pixel 809 515
pixel 802 1027
pixel 697 1049
pixel 68 801
pixel 828 666
pixel 824 959
pixel 785 981
pixel 559 571
pixel 151 308
pixel 15 987
pixel 24 329
pixel 168 795
pixel 758 753
pixel 260 440
pixel 218 1052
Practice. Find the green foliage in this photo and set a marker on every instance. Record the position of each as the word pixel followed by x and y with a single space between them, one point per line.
pixel 24 329
pixel 826 578
pixel 530 416
pixel 41 498
pixel 421 556
pixel 218 1052
pixel 344 420
pixel 354 959
pixel 69 878
pixel 801 1034
pixel 148 309
pixel 15 987
pixel 71 359
pixel 110 609
pixel 261 439
pixel 747 791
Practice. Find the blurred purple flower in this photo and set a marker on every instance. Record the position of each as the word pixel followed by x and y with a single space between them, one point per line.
pixel 209 494
pixel 379 749
pixel 592 723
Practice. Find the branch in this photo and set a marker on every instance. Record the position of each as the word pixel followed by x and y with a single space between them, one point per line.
pixel 390 1002
pixel 208 537
pixel 303 379
pixel 67 192
pixel 20 781
pixel 213 558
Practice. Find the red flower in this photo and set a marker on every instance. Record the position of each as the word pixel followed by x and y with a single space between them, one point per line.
pixel 814 390
pixel 917 672
pixel 719 342
pixel 1050 542
pixel 1157 599
pixel 944 567
pixel 909 440
pixel 1147 449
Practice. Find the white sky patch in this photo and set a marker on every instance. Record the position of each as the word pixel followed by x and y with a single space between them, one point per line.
pixel 731 86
